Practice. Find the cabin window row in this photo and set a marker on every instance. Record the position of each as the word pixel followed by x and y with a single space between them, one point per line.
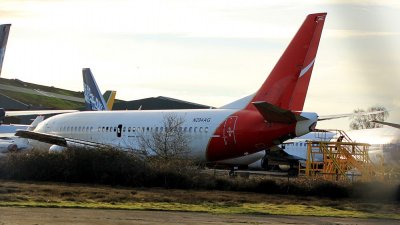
pixel 132 129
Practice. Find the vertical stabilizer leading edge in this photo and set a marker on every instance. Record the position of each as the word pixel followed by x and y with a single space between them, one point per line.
pixel 4 30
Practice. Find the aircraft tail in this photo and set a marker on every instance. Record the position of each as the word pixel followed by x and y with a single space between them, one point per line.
pixel 286 86
pixel 4 30
pixel 109 97
pixel 93 98
pixel 35 122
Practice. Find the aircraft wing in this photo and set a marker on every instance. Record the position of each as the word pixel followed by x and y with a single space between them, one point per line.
pixel 36 112
pixel 58 140
pixel 388 124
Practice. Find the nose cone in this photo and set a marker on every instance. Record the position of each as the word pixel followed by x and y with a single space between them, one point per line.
pixel 306 126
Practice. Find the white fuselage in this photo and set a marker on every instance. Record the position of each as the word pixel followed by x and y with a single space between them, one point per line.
pixel 124 128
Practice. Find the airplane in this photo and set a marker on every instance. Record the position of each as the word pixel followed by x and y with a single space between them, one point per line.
pixel 247 126
pixel 4 31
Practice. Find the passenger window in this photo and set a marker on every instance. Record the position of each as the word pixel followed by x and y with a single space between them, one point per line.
pixel 103 129
pixel 185 129
pixel 129 129
pixel 206 129
pixel 201 129
pixel 133 129
pixel 157 129
pixel 161 129
pixel 190 129
pixel 123 129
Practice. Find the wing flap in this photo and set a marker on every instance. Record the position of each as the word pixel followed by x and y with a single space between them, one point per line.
pixel 46 138
pixel 272 113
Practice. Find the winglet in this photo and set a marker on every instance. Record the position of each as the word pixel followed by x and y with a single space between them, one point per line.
pixel 93 98
pixel 4 31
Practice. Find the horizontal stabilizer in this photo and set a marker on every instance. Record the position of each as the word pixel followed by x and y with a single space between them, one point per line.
pixel 338 116
pixel 388 124
pixel 272 113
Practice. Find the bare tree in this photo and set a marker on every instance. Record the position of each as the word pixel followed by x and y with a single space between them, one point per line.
pixel 166 142
pixel 364 121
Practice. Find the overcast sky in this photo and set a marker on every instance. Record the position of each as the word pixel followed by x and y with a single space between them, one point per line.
pixel 209 52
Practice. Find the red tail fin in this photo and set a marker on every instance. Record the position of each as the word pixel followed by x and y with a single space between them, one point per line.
pixel 287 84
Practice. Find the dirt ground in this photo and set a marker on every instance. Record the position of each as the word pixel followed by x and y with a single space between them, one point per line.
pixel 55 216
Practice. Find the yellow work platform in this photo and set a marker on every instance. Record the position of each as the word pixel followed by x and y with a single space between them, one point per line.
pixel 342 160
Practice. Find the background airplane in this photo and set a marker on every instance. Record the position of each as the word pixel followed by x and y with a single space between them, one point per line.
pixel 9 142
pixel 271 116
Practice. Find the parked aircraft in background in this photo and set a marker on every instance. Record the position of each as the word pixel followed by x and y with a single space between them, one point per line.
pixel 4 31
pixel 271 116
pixel 8 142
pixel 287 155
pixel 384 145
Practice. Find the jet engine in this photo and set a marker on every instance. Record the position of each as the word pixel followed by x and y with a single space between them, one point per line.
pixel 57 148
pixel 7 147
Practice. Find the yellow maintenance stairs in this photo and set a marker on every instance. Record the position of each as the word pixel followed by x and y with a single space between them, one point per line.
pixel 340 160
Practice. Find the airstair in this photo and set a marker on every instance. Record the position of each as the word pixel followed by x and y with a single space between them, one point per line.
pixel 343 160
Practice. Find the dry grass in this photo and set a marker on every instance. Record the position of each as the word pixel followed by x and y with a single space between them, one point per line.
pixel 42 194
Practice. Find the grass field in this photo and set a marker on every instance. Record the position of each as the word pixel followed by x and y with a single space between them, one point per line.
pixel 18 83
pixel 43 101
pixel 36 194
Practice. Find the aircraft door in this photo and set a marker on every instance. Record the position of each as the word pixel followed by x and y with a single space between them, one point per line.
pixel 229 130
pixel 119 130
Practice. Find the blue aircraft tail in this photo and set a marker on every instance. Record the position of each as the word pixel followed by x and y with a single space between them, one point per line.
pixel 93 98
